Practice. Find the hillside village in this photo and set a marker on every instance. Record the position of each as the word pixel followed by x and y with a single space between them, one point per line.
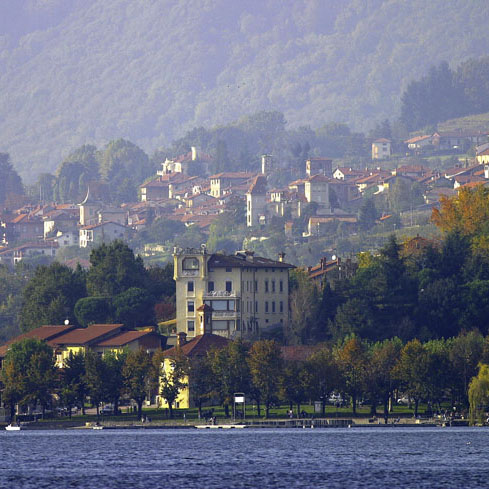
pixel 324 195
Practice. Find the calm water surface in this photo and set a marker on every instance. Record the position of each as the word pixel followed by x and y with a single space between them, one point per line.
pixel 448 458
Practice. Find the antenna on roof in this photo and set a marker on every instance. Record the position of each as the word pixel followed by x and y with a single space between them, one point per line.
pixel 67 321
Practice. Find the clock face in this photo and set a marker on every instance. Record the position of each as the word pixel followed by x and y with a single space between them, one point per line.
pixel 190 264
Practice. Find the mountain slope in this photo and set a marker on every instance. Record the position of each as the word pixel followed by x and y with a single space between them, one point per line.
pixel 148 71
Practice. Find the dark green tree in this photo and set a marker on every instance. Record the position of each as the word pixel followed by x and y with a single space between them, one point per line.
pixel 93 310
pixel 51 295
pixel 114 270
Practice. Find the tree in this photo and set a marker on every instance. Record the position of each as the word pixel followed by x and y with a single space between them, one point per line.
pixel 114 270
pixel 265 363
pixel 230 371
pixel 367 214
pixel 93 310
pixel 479 394
pixel 74 385
pixel 10 182
pixel 294 384
pixel 304 301
pixel 173 375
pixel 28 374
pixel 467 213
pixel 324 376
pixel 380 379
pixel 134 307
pixel 202 382
pixel 51 295
pixel 137 373
pixel 114 379
pixel 124 165
pixel 412 370
pixel 465 353
pixel 95 379
pixel 351 358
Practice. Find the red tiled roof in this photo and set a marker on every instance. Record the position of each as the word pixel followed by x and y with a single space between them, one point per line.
pixel 85 336
pixel 124 338
pixel 199 346
pixel 45 333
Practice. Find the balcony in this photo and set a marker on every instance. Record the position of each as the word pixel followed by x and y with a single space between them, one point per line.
pixel 190 273
pixel 224 314
pixel 221 293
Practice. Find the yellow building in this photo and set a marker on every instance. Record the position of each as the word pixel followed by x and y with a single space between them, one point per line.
pixel 245 294
pixel 196 348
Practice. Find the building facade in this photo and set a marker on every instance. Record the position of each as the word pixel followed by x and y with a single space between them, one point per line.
pixel 230 295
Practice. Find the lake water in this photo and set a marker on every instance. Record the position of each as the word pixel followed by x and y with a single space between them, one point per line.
pixel 447 458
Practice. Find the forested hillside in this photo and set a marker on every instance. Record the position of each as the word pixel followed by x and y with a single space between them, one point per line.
pixel 73 73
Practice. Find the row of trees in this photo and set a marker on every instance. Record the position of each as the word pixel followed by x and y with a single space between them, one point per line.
pixel 435 371
pixel 29 377
pixel 375 373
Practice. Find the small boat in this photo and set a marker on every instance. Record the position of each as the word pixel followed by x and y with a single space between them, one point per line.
pixel 13 427
pixel 97 427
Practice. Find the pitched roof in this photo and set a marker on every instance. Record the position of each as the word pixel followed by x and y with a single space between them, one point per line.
pixel 44 333
pixel 85 336
pixel 124 338
pixel 198 346
pixel 258 186
pixel 382 140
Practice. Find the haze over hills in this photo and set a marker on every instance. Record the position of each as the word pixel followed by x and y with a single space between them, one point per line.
pixel 94 70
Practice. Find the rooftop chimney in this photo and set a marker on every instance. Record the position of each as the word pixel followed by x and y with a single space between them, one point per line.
pixel 181 339
pixel 281 256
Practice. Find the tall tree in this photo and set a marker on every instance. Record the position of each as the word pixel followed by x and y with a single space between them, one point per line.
pixel 265 363
pixel 173 378
pixel 137 373
pixel 114 270
pixel 324 376
pixel 10 182
pixel 351 357
pixel 230 371
pixel 28 374
pixel 51 295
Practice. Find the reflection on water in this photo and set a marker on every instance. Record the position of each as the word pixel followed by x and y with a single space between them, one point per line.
pixel 322 458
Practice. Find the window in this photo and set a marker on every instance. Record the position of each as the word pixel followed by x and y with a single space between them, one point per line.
pixel 273 306
pixel 190 306
pixel 238 324
pixel 190 286
pixel 229 286
pixel 256 285
pixel 273 285
pixel 266 285
pixel 210 286
pixel 190 264
pixel 266 306
pixel 229 269
pixel 281 306
pixel 190 326
pixel 256 306
pixel 281 286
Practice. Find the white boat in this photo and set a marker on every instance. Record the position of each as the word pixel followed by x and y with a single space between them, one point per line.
pixel 97 427
pixel 12 427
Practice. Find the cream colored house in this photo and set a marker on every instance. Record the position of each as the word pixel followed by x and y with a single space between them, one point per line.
pixel 229 295
pixel 381 149
pixel 256 202
pixel 316 189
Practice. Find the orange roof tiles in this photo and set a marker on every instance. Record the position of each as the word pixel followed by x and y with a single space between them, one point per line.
pixel 86 336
